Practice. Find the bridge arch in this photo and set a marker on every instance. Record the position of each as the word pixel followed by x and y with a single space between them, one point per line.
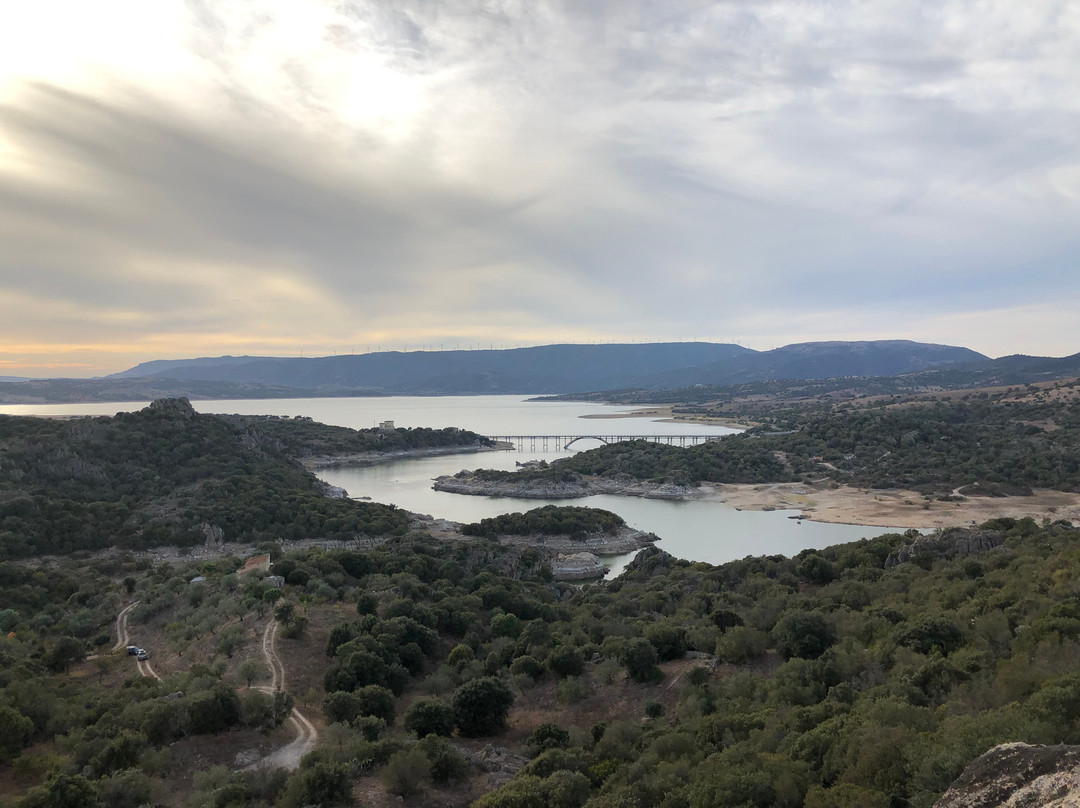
pixel 587 437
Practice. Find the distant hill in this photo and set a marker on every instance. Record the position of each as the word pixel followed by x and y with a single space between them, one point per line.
pixel 562 368
pixel 823 360
pixel 986 373
pixel 45 391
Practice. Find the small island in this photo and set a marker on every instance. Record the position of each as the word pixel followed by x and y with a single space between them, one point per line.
pixel 574 537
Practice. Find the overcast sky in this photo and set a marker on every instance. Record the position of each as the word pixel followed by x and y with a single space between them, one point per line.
pixel 213 177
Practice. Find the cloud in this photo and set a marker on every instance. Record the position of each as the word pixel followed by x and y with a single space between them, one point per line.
pixel 327 174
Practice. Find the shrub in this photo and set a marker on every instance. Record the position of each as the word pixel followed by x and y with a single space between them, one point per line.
pixel 566 660
pixel 547 736
pixel 341 707
pixel 430 716
pixel 639 658
pixel 526 665
pixel 460 656
pixel 741 644
pixel 506 625
pixel 929 633
pixel 481 706
pixel 405 771
pixel 377 701
pixel 447 763
pixel 325 783
pixel 571 690
pixel 803 634
pixel 668 640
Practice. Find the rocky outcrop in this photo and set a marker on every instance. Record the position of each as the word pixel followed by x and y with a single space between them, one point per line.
pixel 577 567
pixel 214 535
pixel 1018 775
pixel 623 540
pixel 954 543
pixel 332 491
pixel 498 761
pixel 467 482
pixel 175 407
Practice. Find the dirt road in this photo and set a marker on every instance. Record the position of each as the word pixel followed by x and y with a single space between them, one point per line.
pixel 288 757
pixel 121 626
pixel 123 640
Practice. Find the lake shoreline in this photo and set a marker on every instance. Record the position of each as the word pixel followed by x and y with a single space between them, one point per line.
pixel 890 507
pixel 665 414
pixel 843 505
pixel 361 459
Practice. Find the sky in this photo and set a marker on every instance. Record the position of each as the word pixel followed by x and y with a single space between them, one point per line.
pixel 276 177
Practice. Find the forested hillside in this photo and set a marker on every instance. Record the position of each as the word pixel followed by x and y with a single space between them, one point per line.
pixel 990 445
pixel 159 475
pixel 302 437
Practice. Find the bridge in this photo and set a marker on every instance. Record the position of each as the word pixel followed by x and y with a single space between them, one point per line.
pixel 558 443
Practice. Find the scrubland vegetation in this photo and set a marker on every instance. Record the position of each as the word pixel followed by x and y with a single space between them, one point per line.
pixel 824 679
pixel 457 672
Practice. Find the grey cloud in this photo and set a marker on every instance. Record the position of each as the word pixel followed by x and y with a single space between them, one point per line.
pixel 639 167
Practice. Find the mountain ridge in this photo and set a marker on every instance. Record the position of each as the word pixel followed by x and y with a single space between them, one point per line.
pixel 563 368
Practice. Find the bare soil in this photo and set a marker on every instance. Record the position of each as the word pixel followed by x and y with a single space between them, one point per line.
pixel 891 507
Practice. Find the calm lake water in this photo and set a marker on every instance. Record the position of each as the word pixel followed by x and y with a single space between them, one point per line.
pixel 699 531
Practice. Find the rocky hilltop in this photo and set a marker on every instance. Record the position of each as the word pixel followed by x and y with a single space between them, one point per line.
pixel 949 543
pixel 470 482
pixel 1017 775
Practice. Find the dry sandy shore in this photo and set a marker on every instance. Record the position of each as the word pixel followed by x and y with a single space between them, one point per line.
pixel 891 508
pixel 664 413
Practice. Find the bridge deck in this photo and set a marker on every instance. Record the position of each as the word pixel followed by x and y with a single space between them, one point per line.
pixel 561 442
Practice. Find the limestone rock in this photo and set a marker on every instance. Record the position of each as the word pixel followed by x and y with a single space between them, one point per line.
pixel 499 761
pixel 215 536
pixel 248 757
pixel 577 567
pixel 948 544
pixel 1018 775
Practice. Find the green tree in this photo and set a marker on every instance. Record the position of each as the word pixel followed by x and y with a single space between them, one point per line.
pixel 639 658
pixel 566 660
pixel 250 670
pixel 63 791
pixel 377 701
pixel 405 772
pixel 64 654
pixel 429 716
pixel 481 706
pixel 325 783
pixel 447 763
pixel 121 752
pixel 547 736
pixel 15 733
pixel 803 634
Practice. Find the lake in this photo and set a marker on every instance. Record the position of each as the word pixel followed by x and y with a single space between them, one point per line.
pixel 696 530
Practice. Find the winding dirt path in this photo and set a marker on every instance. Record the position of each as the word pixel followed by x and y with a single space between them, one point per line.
pixel 122 627
pixel 122 640
pixel 287 757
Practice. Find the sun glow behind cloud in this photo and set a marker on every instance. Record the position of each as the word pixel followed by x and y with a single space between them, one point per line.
pixel 225 177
